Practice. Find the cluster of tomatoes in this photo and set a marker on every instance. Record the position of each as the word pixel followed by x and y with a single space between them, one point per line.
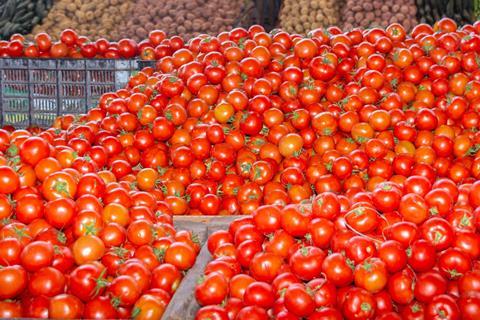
pixel 355 154
pixel 72 45
pixel 75 242
pixel 228 123
pixel 375 259
pixel 375 129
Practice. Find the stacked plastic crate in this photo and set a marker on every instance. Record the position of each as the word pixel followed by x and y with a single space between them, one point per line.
pixel 35 91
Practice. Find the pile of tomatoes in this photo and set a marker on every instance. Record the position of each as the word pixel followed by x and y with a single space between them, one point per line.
pixel 375 256
pixel 355 155
pixel 228 123
pixel 78 244
pixel 358 156
pixel 72 45
pixel 75 241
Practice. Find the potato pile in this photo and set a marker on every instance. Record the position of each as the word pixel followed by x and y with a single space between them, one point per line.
pixel 93 18
pixel 186 18
pixel 378 13
pixel 301 16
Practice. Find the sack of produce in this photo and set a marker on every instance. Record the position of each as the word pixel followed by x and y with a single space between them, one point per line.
pixel 186 18
pixel 378 13
pixel 305 15
pixel 92 18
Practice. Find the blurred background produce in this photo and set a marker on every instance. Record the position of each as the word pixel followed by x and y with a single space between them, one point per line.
pixel 20 16
pixel 378 13
pixel 118 19
pixel 459 10
pixel 305 15
pixel 187 18
pixel 92 18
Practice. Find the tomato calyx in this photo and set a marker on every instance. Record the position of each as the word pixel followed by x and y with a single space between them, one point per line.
pixel 62 188
pixel 56 250
pixel 454 274
pixel 386 187
pixel 14 162
pixel 120 252
pixel 367 266
pixel 292 90
pixel 308 238
pixel 12 150
pixel 90 228
pixel 115 301
pixel 416 308
pixel 442 314
pixel 61 237
pixel 409 251
pixel 365 306
pixel 304 251
pixel 161 170
pixel 6 221
pixel 473 150
pixel 438 237
pixel 100 283
pixel 465 221
pixel 311 292
pixel 433 211
pixel 159 253
pixel 350 263
pixel 136 312
pixel 21 233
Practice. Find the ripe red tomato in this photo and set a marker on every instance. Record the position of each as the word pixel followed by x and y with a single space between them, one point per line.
pixel 413 208
pixel 33 150
pixel 393 254
pixel 36 255
pixel 13 280
pixel 338 269
pixel 127 48
pixel 443 304
pixel 433 284
pixel 99 308
pixel 180 255
pixel 9 180
pixel 212 290
pixel 87 282
pixel 47 281
pixel 259 294
pixel 358 304
pixel 166 277
pixel 265 266
pixel 43 41
pixel 306 262
pixel 298 301
pixel 125 290
pixel 371 275
pixel 65 306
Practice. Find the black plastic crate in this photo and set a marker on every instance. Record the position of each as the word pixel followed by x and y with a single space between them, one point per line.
pixel 36 91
